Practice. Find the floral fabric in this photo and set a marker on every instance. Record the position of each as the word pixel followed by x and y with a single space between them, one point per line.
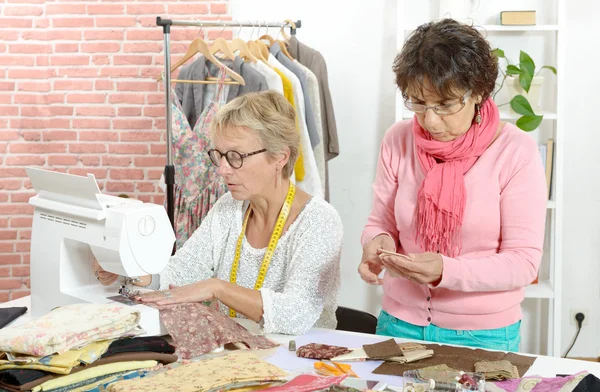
pixel 212 374
pixel 70 326
pixel 197 183
pixel 197 329
pixel 321 351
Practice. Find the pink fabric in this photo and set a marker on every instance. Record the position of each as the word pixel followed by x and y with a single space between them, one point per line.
pixel 502 232
pixel 442 197
pixel 544 385
pixel 308 383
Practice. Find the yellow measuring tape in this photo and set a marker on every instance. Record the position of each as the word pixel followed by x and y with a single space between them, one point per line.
pixel 281 219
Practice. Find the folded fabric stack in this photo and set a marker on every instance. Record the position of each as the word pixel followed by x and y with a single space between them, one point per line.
pixel 497 370
pixel 77 347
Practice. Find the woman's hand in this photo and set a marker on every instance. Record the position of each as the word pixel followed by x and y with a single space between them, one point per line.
pixel 370 266
pixel 104 277
pixel 423 268
pixel 204 290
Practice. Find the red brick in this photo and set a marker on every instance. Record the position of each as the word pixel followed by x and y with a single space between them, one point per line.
pixel 20 271
pixel 84 171
pixel 62 160
pixel 86 98
pixel 134 98
pixel 70 60
pixel 12 172
pixel 10 283
pixel 90 160
pixel 155 98
pixel 91 123
pixel 103 47
pixel 30 73
pixel 32 136
pixel 86 148
pixel 9 110
pixel 81 72
pixel 143 47
pixel 155 174
pixel 214 34
pixel 132 60
pixel 98 135
pixel 121 72
pixel 105 9
pixel 22 222
pixel 72 22
pixel 6 247
pixel 22 61
pixel 100 59
pixel 140 136
pixel 145 186
pixel 147 34
pixel 154 111
pixel 188 9
pixel 126 174
pixel 160 123
pixel 156 149
pixel 10 185
pixel 129 111
pixel 20 197
pixel 3 221
pixel 9 35
pixel 128 148
pixel 146 9
pixel 74 9
pixel 19 294
pixel 104 35
pixel 46 111
pixel 26 257
pixel 157 199
pixel 184 35
pixel 52 35
pixel 9 234
pixel 103 85
pixel 124 21
pixel 34 86
pixel 38 123
pixel 73 85
pixel 151 72
pixel 25 160
pixel 3 124
pixel 101 111
pixel 145 198
pixel 67 48
pixel 149 161
pixel 5 296
pixel 119 187
pixel 116 161
pixel 218 8
pixel 45 99
pixel 136 86
pixel 179 48
pixel 7 86
pixel 6 98
pixel 36 148
pixel 24 234
pixel 16 209
pixel 9 135
pixel 5 272
pixel 59 135
pixel 148 21
pixel 16 22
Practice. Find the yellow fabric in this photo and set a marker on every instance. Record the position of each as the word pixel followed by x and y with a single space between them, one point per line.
pixel 288 92
pixel 93 372
pixel 58 363
pixel 208 374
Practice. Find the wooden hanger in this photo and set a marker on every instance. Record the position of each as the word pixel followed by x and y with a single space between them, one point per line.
pixel 264 50
pixel 200 46
pixel 254 49
pixel 284 49
pixel 220 45
pixel 268 38
pixel 291 24
pixel 238 44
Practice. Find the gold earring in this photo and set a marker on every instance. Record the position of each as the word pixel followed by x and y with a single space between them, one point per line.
pixel 478 116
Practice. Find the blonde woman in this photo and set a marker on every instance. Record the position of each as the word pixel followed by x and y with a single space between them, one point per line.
pixel 266 250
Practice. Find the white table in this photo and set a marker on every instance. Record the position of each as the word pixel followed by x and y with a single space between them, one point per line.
pixel 543 366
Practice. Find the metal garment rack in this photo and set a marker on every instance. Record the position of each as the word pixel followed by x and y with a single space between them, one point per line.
pixel 166 26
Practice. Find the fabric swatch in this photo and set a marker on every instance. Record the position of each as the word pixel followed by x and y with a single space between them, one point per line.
pixel 307 383
pixel 197 329
pixel 321 351
pixel 458 358
pixel 497 370
pixel 441 373
pixel 154 344
pixel 206 375
pixel 382 350
pixel 539 384
pixel 8 315
pixel 70 326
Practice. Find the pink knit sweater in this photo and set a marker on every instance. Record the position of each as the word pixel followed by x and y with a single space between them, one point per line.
pixel 502 232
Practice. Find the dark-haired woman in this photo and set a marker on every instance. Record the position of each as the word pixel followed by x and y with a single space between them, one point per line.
pixel 460 195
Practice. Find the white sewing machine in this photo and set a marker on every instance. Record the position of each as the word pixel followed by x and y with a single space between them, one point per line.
pixel 73 223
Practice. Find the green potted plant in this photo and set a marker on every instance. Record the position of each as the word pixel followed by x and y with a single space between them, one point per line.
pixel 525 86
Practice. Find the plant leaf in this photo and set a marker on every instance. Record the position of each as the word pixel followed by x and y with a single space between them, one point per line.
pixel 529 123
pixel 513 70
pixel 521 105
pixel 550 68
pixel 498 53
pixel 525 80
pixel 526 63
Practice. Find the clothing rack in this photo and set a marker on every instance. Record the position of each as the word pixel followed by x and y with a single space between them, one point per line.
pixel 166 25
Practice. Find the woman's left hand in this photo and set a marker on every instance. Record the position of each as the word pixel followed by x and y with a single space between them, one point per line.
pixel 204 290
pixel 423 268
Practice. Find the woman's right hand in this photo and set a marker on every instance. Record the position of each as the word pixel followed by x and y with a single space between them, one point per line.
pixel 104 277
pixel 370 266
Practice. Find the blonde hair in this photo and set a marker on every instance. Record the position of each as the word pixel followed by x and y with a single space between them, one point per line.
pixel 270 117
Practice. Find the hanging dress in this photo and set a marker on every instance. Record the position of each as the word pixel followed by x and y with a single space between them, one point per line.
pixel 198 186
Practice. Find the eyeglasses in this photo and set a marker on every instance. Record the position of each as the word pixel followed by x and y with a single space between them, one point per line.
pixel 442 110
pixel 234 158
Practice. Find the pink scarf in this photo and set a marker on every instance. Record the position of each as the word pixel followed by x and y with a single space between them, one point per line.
pixel 442 197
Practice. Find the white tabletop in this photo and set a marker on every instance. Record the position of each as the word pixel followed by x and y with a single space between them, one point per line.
pixel 543 366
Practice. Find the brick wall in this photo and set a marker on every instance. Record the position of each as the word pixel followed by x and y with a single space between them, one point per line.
pixel 78 94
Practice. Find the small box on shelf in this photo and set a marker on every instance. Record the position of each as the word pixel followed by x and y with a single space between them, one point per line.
pixel 517 18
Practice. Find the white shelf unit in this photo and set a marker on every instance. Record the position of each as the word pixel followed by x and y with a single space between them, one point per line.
pixel 545 42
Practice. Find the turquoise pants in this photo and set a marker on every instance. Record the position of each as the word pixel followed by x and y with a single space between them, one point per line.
pixel 505 339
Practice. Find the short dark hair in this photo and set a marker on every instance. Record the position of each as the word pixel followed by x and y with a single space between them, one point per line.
pixel 452 56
